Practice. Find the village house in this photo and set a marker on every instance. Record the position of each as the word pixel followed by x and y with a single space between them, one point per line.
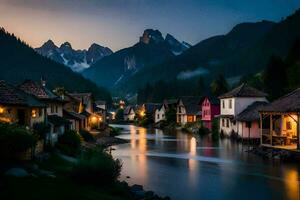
pixel 161 111
pixel 54 110
pixel 248 121
pixel 71 110
pixel 16 106
pixel 210 109
pixel 235 102
pixel 86 108
pixel 280 122
pixel 100 108
pixel 188 110
pixel 147 109
pixel 129 113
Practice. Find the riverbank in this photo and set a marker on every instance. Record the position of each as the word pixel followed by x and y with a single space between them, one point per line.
pixel 53 177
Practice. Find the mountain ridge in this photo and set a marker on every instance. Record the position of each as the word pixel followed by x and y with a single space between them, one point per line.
pixel 77 60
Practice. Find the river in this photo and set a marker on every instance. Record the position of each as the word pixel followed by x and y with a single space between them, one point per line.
pixel 189 167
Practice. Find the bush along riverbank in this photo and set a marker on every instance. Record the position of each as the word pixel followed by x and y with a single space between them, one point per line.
pixel 69 171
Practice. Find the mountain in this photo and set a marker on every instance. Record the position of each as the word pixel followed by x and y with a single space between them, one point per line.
pixel 77 60
pixel 208 58
pixel 151 49
pixel 18 62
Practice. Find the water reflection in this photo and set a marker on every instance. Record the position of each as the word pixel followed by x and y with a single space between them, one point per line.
pixel 191 167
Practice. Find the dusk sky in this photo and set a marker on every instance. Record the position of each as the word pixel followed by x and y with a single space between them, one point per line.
pixel 119 23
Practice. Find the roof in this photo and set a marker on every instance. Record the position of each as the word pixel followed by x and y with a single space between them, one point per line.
pixel 39 91
pixel 287 103
pixel 73 115
pixel 192 104
pixel 128 109
pixel 243 91
pixel 213 100
pixel 99 102
pixel 151 107
pixel 251 113
pixel 86 113
pixel 86 97
pixel 11 95
pixel 57 120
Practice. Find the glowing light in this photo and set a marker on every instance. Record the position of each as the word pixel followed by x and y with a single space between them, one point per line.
pixel 94 119
pixel 33 113
pixel 142 113
pixel 1 110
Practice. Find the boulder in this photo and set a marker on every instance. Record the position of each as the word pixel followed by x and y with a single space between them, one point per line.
pixel 17 172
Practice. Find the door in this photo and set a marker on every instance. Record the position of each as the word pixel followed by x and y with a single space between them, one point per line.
pixel 21 117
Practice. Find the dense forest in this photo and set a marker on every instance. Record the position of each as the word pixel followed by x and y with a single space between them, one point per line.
pixel 19 62
pixel 279 77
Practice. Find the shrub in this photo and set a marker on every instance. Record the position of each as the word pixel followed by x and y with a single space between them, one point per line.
pixel 114 131
pixel 120 115
pixel 96 166
pixel 69 143
pixel 41 129
pixel 215 129
pixel 87 136
pixel 15 140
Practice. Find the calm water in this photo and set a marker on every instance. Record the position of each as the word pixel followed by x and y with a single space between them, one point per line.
pixel 187 167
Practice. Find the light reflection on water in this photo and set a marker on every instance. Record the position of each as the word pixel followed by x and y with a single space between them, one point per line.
pixel 188 167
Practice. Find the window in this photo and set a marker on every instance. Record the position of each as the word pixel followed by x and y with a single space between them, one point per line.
pixel 288 126
pixel 227 123
pixel 248 124
pixel 230 103
pixel 52 109
pixel 40 112
pixel 56 109
pixel 223 122
pixel 157 116
pixel 223 103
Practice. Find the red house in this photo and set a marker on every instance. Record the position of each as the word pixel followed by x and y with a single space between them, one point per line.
pixel 210 108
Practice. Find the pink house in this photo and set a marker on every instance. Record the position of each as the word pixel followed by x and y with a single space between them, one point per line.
pixel 210 108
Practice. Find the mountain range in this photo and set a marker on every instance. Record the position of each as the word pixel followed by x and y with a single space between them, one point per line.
pixel 77 60
pixel 20 62
pixel 244 50
pixel 151 49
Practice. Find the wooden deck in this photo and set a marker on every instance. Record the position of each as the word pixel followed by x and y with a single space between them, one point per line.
pixel 283 147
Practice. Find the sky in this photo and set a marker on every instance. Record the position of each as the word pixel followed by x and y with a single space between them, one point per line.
pixel 119 23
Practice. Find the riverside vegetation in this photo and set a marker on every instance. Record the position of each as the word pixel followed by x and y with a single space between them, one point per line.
pixel 91 173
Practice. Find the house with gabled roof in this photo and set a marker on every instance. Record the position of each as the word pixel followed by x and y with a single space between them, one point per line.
pixel 210 109
pixel 233 103
pixel 188 109
pixel 129 113
pixel 161 111
pixel 54 110
pixel 17 106
pixel 248 121
pixel 280 122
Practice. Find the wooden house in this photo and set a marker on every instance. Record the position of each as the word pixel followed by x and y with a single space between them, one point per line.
pixel 248 121
pixel 210 109
pixel 188 109
pixel 280 122
pixel 16 106
pixel 233 103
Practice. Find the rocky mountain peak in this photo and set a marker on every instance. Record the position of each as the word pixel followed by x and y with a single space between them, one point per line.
pixel 151 35
pixel 49 45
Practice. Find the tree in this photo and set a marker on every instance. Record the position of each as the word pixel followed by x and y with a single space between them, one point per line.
pixel 120 115
pixel 275 78
pixel 219 86
pixel 171 115
pixel 293 66
pixel 200 89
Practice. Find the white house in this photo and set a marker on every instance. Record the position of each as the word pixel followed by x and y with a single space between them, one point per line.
pixel 129 113
pixel 188 110
pixel 235 102
pixel 160 113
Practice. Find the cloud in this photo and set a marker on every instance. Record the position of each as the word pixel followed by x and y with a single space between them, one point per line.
pixel 192 73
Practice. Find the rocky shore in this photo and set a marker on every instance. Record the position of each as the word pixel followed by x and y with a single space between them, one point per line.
pixel 140 194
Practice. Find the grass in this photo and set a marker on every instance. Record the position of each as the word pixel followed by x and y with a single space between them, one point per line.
pixel 59 188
